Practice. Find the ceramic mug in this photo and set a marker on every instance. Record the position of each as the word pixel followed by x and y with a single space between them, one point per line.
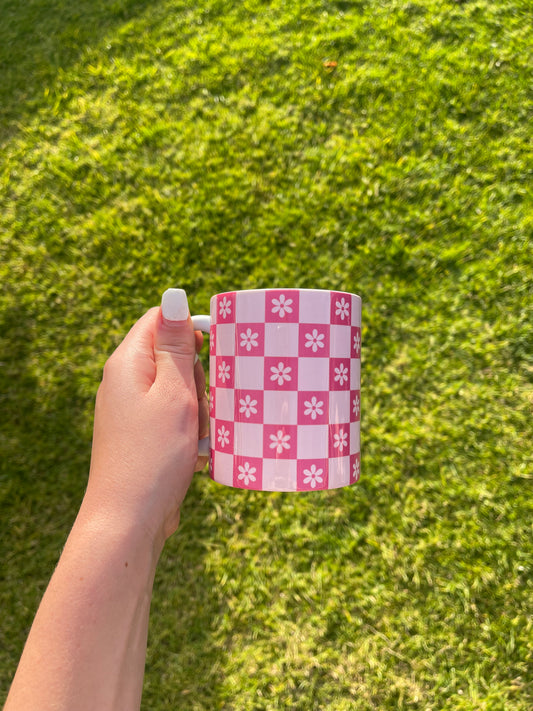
pixel 285 381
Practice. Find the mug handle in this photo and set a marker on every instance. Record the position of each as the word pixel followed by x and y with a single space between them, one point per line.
pixel 202 323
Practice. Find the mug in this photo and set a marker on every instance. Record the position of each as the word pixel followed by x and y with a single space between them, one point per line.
pixel 285 381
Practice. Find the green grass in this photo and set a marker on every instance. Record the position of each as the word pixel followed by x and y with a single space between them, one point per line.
pixel 206 145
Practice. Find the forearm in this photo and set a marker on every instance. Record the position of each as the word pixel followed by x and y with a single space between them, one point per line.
pixel 87 645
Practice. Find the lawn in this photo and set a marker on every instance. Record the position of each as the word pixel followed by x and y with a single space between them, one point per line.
pixel 377 147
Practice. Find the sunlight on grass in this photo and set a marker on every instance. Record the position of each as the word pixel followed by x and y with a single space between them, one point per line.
pixel 376 147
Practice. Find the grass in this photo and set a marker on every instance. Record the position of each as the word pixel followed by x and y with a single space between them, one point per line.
pixel 211 146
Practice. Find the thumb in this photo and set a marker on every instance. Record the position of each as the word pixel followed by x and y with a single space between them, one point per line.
pixel 174 342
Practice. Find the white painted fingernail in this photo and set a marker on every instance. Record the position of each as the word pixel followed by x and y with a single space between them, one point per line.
pixel 174 306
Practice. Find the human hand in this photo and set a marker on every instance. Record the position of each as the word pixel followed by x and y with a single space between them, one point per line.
pixel 151 409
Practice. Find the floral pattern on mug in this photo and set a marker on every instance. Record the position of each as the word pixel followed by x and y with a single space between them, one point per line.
pixel 356 342
pixel 250 338
pixel 341 308
pixel 248 473
pixel 223 435
pixel 249 406
pixel 280 441
pixel 282 306
pixel 281 373
pixel 225 375
pixel 312 474
pixel 339 378
pixel 313 341
pixel 225 308
pixel 339 440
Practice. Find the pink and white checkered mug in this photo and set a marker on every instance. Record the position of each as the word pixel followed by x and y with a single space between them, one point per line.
pixel 285 381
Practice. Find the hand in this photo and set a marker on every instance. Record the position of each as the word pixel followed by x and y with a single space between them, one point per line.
pixel 151 409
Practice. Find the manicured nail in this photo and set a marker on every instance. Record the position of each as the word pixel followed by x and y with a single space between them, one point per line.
pixel 174 306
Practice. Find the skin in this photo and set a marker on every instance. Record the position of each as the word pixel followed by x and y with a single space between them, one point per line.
pixel 87 646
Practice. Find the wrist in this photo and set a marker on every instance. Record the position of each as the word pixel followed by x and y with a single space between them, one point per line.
pixel 118 532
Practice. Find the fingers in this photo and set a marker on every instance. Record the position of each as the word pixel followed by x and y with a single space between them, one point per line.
pixel 174 340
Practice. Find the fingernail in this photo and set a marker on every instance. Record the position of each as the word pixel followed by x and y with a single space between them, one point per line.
pixel 174 306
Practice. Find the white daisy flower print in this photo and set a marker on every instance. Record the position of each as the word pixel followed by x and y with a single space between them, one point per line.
pixel 356 405
pixel 280 441
pixel 281 373
pixel 246 473
pixel 340 440
pixel 341 374
pixel 282 306
pixel 223 436
pixel 223 371
pixel 356 470
pixel 342 308
pixel 248 406
pixel 225 307
pixel 249 339
pixel 313 476
pixel 357 343
pixel 314 340
pixel 313 407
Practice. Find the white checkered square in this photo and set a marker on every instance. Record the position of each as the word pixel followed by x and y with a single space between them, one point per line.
pixel 223 468
pixel 314 307
pixel 279 474
pixel 225 399
pixel 313 372
pixel 280 409
pixel 250 306
pixel 356 310
pixel 355 437
pixel 248 438
pixel 281 339
pixel 355 374
pixel 339 341
pixel 339 406
pixel 313 441
pixel 339 472
pixel 249 373
pixel 225 339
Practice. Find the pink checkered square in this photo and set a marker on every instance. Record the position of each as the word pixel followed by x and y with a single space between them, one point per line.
pixel 248 473
pixel 225 371
pixel 314 340
pixel 339 440
pixel 281 373
pixel 282 306
pixel 225 308
pixel 356 342
pixel 355 405
pixel 250 339
pixel 341 308
pixel 339 374
pixel 312 474
pixel 249 406
pixel 223 436
pixel 355 467
pixel 313 407
pixel 280 441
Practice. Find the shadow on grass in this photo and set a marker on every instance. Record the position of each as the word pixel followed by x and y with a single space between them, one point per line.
pixel 39 40
pixel 45 443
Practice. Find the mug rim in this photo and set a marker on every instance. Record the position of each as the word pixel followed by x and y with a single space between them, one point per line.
pixel 288 288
